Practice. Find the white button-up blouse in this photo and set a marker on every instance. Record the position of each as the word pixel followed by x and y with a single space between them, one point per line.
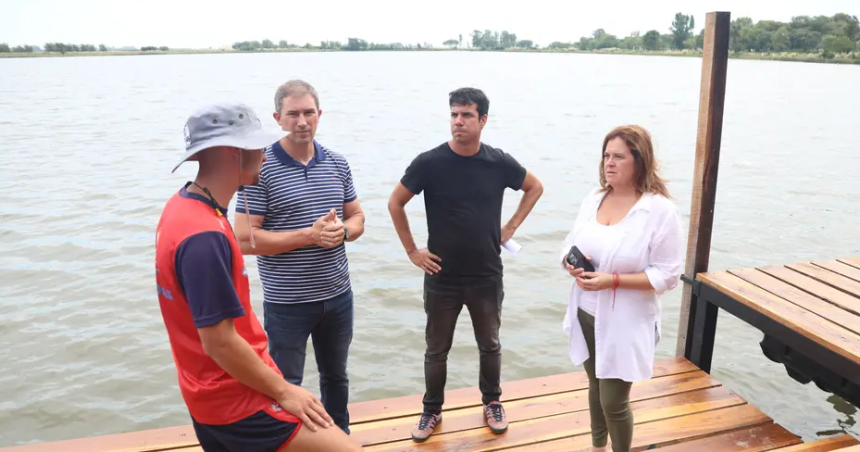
pixel 626 336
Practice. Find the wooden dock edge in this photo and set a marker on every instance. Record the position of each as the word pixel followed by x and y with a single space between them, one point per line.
pixel 680 407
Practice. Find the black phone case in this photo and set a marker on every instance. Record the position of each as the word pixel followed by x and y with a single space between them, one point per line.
pixel 578 260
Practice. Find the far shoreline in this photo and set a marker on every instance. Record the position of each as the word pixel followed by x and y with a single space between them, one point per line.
pixel 774 56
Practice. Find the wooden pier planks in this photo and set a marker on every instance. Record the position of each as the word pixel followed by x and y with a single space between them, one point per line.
pixel 811 299
pixel 681 408
pixel 370 411
pixel 841 443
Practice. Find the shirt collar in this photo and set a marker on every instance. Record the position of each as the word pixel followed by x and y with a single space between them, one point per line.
pixel 644 202
pixel 285 159
pixel 196 196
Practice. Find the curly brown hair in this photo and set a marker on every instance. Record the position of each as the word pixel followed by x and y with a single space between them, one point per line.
pixel 638 139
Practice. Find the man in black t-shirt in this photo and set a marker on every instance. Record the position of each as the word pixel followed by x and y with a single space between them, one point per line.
pixel 463 181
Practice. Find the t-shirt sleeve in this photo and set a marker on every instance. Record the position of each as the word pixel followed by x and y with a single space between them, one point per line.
pixel 204 265
pixel 515 174
pixel 349 193
pixel 258 199
pixel 414 179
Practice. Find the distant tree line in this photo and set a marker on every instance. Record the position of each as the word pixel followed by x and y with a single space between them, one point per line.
pixel 493 40
pixel 59 47
pixel 838 34
pixel 828 36
pixel 250 46
pixel 4 48
pixel 484 40
pixel 352 44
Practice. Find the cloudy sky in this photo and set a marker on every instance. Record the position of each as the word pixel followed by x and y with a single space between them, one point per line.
pixel 216 23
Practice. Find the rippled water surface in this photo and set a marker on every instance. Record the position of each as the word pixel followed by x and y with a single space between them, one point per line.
pixel 88 144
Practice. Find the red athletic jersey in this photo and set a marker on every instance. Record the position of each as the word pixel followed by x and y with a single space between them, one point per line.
pixel 212 395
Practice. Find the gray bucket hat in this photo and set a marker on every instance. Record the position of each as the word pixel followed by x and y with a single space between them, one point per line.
pixel 233 125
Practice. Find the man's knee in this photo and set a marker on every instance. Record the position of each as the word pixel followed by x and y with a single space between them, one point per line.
pixel 323 440
pixel 490 347
pixel 436 356
pixel 438 345
pixel 488 341
pixel 334 374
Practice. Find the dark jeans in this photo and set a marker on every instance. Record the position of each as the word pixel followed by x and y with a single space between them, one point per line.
pixel 443 303
pixel 329 324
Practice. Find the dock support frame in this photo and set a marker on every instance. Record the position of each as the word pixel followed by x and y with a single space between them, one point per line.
pixel 805 360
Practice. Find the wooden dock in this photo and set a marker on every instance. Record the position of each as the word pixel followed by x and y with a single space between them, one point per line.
pixel 681 409
pixel 808 312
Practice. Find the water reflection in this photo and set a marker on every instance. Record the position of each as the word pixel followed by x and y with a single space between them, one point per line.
pixel 841 406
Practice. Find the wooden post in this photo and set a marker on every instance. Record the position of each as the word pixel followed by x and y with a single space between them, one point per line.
pixel 711 99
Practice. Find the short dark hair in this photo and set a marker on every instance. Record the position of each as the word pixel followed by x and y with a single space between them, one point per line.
pixel 466 96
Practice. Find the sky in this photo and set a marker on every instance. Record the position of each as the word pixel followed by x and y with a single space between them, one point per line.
pixel 219 23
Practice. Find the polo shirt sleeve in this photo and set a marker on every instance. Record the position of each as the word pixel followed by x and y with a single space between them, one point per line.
pixel 414 178
pixel 204 265
pixel 349 194
pixel 514 173
pixel 258 199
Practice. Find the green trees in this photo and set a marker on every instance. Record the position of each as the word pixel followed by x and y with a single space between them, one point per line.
pixel 493 40
pixel 837 44
pixel 836 34
pixel 828 36
pixel 63 48
pixel 682 31
pixel 651 40
pixel 356 44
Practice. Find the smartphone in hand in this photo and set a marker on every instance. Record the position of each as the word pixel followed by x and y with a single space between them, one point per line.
pixel 577 260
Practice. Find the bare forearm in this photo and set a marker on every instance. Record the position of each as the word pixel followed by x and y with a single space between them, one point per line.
pixel 527 203
pixel 269 242
pixel 401 225
pixel 635 281
pixel 238 359
pixel 355 224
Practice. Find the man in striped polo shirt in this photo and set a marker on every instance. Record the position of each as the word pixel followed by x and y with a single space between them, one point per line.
pixel 301 213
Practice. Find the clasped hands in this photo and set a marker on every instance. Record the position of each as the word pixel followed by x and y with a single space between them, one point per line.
pixel 328 230
pixel 590 281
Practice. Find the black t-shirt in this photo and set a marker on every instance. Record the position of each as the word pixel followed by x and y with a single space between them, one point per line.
pixel 463 200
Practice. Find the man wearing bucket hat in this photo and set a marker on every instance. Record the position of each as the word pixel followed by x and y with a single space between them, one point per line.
pixel 236 396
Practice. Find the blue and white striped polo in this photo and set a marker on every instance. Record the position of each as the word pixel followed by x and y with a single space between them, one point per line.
pixel 293 196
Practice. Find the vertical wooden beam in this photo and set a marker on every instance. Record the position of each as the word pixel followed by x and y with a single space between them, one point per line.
pixel 708 137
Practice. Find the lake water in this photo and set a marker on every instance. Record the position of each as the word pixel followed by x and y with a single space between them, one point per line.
pixel 88 144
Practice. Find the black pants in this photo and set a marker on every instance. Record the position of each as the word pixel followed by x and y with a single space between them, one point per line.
pixel 443 303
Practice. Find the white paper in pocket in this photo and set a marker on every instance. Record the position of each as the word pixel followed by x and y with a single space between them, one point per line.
pixel 512 246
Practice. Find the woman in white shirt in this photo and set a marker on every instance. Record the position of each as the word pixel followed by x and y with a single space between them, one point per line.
pixel 631 232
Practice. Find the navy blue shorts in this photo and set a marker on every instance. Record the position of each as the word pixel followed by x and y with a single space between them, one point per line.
pixel 269 430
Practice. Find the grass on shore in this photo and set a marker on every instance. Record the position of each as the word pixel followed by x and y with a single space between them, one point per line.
pixel 852 58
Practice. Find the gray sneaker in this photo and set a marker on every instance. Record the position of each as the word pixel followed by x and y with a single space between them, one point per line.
pixel 426 424
pixel 496 419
